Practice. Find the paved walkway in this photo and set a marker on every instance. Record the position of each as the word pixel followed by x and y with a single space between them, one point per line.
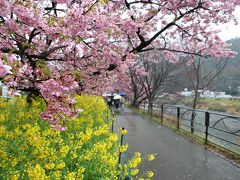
pixel 177 158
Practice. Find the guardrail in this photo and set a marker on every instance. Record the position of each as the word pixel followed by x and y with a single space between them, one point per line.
pixel 218 128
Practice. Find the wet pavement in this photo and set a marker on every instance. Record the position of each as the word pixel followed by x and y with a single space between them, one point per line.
pixel 177 158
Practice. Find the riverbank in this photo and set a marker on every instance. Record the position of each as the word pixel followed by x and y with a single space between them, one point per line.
pixel 230 106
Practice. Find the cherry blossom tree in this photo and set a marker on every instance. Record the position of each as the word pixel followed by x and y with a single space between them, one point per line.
pixel 57 48
pixel 149 85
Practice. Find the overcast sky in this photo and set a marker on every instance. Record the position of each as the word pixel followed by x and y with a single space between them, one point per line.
pixel 230 31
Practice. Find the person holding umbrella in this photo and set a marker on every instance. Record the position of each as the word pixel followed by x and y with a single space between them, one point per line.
pixel 116 100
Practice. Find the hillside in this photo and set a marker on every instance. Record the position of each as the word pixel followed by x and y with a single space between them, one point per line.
pixel 229 79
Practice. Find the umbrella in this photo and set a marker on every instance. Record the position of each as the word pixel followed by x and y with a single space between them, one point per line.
pixel 121 93
pixel 107 95
pixel 117 97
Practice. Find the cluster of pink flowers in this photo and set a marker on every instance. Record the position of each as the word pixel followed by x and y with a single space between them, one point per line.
pixel 4 69
pixel 62 47
pixel 59 96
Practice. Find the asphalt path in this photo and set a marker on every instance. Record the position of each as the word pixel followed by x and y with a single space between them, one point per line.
pixel 177 158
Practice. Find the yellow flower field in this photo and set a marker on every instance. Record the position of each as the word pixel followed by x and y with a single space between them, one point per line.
pixel 31 149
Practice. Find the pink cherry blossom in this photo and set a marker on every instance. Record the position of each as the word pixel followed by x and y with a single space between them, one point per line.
pixel 59 49
pixel 60 128
pixel 4 69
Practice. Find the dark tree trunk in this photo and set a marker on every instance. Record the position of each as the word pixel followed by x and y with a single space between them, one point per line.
pixel 135 103
pixel 194 107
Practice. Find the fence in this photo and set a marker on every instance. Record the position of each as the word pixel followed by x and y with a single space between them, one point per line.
pixel 218 128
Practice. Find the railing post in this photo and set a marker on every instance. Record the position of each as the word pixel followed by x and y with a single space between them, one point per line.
pixel 207 118
pixel 178 117
pixel 112 125
pixel 121 143
pixel 113 119
pixel 151 109
pixel 107 116
pixel 162 113
pixel 192 121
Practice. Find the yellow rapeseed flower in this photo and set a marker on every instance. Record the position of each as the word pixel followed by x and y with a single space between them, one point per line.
pixel 14 161
pixel 123 148
pixel 2 118
pixel 113 137
pixel 100 146
pixel 135 161
pixel 134 172
pixel 64 150
pixel 70 176
pixel 15 176
pixel 151 157
pixel 150 174
pixel 80 173
pixel 3 154
pixel 57 174
pixel 49 165
pixel 60 165
pixel 123 131
pixel 36 172
pixel 2 131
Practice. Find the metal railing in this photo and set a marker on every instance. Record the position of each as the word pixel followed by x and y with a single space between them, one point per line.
pixel 218 128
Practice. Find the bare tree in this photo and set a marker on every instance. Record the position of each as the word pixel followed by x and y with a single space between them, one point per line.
pixel 202 76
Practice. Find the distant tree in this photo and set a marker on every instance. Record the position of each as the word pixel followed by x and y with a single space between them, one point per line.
pixel 228 80
pixel 138 93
